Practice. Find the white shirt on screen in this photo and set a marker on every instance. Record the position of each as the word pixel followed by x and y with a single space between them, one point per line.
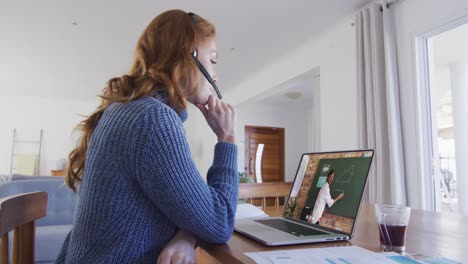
pixel 323 198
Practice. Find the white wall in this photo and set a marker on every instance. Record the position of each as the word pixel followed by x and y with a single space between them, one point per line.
pixel 334 53
pixel 201 139
pixel 297 121
pixel 293 119
pixel 57 117
pixel 413 18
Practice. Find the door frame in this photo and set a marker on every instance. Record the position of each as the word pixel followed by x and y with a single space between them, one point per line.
pixel 428 152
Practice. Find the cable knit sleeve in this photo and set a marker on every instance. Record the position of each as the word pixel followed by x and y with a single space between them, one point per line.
pixel 168 176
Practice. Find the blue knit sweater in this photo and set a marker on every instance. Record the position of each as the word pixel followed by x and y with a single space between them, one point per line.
pixel 140 186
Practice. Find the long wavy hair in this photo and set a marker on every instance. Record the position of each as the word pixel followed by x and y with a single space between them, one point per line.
pixel 162 63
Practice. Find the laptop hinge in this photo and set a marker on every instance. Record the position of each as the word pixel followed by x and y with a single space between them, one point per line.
pixel 316 227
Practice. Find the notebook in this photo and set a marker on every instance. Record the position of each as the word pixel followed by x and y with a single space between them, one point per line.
pixel 323 203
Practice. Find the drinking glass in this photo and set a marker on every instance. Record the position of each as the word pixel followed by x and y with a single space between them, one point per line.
pixel 392 221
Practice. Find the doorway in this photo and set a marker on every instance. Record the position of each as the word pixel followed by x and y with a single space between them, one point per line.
pixel 264 153
pixel 444 79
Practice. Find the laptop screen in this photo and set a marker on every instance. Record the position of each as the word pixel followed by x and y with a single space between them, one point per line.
pixel 328 188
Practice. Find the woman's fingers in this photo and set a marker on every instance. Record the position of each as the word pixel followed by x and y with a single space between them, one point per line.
pixel 221 118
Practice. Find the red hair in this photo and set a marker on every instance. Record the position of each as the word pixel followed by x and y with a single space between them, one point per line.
pixel 162 63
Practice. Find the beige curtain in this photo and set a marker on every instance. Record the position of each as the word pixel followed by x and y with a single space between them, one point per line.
pixel 379 104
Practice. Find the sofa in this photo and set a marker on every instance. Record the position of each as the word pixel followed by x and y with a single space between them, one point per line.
pixel 52 229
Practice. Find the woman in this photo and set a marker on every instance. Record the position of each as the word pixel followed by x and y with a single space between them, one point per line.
pixel 140 193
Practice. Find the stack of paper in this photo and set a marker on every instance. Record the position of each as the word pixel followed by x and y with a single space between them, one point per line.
pixel 336 255
pixel 247 210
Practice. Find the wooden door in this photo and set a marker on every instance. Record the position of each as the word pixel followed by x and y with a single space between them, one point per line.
pixel 272 164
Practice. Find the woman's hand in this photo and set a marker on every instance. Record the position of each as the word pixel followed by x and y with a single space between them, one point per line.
pixel 221 117
pixel 180 250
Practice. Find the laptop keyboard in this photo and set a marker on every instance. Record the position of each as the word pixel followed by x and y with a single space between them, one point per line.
pixel 289 227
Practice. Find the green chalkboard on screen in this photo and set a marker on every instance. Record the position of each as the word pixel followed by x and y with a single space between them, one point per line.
pixel 350 179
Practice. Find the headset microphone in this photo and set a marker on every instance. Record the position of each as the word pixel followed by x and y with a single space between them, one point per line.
pixel 200 66
pixel 206 74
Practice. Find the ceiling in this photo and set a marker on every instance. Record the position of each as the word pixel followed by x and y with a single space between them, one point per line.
pixel 451 46
pixel 71 48
pixel 296 92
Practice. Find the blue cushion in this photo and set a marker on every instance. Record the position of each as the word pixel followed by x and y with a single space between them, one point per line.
pixel 61 200
pixel 49 241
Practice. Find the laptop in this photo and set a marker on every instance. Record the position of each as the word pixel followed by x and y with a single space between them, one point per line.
pixel 323 203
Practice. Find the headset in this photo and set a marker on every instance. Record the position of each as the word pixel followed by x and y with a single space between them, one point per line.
pixel 200 66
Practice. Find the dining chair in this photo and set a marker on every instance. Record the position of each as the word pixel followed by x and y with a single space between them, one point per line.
pixel 18 213
pixel 264 190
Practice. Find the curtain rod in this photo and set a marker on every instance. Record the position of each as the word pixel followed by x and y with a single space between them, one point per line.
pixel 388 4
pixel 392 2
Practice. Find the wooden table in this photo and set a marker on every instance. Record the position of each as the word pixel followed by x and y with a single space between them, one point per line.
pixel 429 234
